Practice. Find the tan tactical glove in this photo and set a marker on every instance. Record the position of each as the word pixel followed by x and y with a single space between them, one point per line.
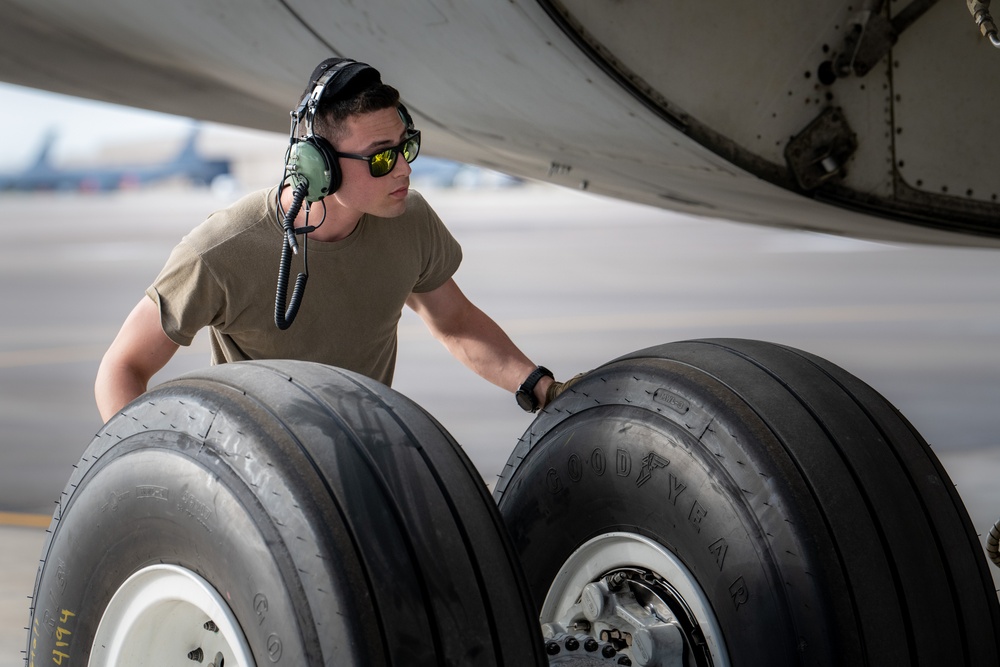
pixel 557 387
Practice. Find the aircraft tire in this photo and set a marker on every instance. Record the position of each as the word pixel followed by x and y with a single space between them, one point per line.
pixel 311 515
pixel 782 511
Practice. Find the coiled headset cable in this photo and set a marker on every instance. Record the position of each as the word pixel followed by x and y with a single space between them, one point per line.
pixel 283 317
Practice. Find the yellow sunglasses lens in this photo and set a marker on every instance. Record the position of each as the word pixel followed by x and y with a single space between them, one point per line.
pixel 382 163
pixel 410 149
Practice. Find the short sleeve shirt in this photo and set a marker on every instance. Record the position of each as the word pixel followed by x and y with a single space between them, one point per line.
pixel 223 275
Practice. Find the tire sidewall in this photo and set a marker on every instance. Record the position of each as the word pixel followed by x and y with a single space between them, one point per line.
pixel 163 498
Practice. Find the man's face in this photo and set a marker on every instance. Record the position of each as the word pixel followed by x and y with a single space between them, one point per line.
pixel 366 134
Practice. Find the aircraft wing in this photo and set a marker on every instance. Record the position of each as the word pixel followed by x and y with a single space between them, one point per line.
pixel 866 119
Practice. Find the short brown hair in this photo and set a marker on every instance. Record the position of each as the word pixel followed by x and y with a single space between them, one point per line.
pixel 331 114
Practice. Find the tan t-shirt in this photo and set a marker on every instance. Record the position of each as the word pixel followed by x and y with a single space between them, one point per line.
pixel 224 273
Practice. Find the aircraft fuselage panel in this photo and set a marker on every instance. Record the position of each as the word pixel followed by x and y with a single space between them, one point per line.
pixel 870 121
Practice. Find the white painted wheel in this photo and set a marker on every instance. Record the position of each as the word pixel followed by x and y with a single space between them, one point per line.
pixel 167 615
pixel 624 584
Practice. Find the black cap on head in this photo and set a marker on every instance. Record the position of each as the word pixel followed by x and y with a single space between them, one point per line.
pixel 354 76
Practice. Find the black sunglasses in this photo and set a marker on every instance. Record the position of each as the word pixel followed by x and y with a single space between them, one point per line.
pixel 381 163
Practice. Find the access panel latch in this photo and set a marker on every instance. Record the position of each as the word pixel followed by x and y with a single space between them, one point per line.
pixel 818 153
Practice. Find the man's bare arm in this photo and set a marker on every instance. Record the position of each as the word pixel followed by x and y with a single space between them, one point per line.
pixel 139 350
pixel 474 338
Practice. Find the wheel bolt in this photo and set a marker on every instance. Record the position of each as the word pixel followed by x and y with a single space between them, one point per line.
pixel 211 626
pixel 572 643
pixel 552 648
pixel 608 651
pixel 197 655
pixel 624 660
pixel 590 645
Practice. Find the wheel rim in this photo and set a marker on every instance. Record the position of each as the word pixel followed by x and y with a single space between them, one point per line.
pixel 168 615
pixel 624 593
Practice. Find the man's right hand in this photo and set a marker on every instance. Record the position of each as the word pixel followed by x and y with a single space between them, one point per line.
pixel 557 387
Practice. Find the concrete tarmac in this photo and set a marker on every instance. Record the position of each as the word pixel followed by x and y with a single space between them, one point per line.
pixel 576 280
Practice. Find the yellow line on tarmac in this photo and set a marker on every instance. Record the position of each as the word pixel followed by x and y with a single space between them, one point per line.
pixel 25 520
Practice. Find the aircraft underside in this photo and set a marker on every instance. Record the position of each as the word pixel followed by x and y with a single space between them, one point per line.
pixel 865 119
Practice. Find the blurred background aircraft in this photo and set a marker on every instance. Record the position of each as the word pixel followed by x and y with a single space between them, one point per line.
pixel 64 144
pixel 188 165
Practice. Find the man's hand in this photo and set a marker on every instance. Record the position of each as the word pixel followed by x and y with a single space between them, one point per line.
pixel 557 387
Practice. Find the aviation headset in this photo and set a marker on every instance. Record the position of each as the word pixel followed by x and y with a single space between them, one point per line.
pixel 310 157
pixel 312 167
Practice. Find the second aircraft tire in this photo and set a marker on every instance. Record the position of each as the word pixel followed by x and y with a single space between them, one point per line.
pixel 779 510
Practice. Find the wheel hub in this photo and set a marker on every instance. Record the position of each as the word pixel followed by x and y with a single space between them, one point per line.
pixel 168 615
pixel 624 599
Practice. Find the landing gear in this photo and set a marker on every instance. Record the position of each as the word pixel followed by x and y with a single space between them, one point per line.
pixel 698 504
pixel 736 502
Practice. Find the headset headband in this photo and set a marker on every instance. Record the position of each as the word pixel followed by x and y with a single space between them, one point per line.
pixel 330 78
pixel 310 158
